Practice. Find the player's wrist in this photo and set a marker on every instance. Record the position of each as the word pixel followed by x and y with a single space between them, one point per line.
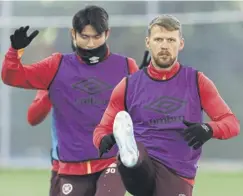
pixel 208 129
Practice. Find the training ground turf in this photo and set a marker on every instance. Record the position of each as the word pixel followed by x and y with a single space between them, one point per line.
pixel 36 183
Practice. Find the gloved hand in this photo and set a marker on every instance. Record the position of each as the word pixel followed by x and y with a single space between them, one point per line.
pixel 106 144
pixel 146 60
pixel 197 134
pixel 20 39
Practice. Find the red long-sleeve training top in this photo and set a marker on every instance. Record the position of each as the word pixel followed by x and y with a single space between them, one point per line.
pixel 39 108
pixel 39 76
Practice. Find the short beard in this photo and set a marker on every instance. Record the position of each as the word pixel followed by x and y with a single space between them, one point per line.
pixel 164 65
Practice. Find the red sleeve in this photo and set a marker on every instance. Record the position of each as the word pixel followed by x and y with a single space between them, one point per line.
pixel 224 123
pixel 116 104
pixel 36 76
pixel 39 108
pixel 132 65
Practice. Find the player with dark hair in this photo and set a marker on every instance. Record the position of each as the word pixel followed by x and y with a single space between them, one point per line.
pixel 79 86
pixel 156 118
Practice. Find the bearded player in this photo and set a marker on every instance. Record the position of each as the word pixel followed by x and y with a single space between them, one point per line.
pixel 156 118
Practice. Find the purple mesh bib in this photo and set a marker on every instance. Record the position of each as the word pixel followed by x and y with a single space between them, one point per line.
pixel 157 109
pixel 80 94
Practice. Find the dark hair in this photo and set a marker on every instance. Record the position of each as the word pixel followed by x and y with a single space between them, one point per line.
pixel 93 15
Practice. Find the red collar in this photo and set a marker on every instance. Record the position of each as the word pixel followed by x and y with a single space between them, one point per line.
pixel 163 74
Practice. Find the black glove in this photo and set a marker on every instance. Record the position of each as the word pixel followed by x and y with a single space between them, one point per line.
pixel 197 134
pixel 106 144
pixel 146 60
pixel 20 39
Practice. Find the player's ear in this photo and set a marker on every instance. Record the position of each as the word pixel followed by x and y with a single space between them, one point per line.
pixel 73 32
pixel 107 34
pixel 147 42
pixel 182 44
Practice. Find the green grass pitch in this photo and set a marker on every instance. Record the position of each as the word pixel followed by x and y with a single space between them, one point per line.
pixel 36 183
